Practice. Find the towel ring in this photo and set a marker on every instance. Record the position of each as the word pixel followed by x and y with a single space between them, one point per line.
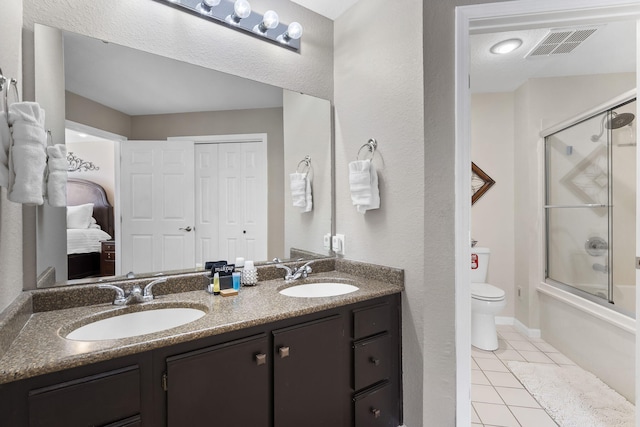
pixel 13 83
pixel 372 144
pixel 306 162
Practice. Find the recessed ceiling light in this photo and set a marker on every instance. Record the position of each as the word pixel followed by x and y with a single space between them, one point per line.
pixel 506 46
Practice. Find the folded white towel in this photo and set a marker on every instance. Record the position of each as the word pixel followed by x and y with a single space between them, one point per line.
pixel 363 183
pixel 5 143
pixel 300 184
pixel 57 176
pixel 28 155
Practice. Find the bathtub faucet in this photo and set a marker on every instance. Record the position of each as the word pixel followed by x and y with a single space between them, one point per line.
pixel 601 268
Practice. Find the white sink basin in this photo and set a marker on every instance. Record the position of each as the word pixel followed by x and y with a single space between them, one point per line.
pixel 318 290
pixel 134 324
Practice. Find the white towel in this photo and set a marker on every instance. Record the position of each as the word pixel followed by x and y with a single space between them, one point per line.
pixel 28 155
pixel 363 183
pixel 5 143
pixel 57 176
pixel 300 184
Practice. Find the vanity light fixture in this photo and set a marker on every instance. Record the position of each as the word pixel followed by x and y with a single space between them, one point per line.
pixel 237 14
pixel 506 46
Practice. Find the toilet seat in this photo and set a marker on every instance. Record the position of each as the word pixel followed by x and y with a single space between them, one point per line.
pixel 486 292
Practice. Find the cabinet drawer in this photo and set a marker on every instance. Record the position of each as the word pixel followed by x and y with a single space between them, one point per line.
pixel 371 321
pixel 95 400
pixel 372 361
pixel 375 408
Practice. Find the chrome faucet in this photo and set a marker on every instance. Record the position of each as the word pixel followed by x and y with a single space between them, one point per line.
pixel 136 295
pixel 296 273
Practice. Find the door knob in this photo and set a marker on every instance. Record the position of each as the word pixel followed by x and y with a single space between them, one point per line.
pixel 187 228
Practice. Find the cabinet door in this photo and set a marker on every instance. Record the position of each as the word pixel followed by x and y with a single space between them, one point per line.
pixel 224 385
pixel 90 401
pixel 311 385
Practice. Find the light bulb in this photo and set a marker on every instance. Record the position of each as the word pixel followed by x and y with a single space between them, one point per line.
pixel 294 31
pixel 242 9
pixel 205 6
pixel 270 19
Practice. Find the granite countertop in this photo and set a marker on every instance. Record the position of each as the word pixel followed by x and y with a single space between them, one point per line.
pixel 39 348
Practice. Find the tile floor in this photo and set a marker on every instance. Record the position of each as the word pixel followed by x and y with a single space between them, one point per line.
pixel 498 399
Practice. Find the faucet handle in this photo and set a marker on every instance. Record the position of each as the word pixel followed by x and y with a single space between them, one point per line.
pixel 147 294
pixel 120 295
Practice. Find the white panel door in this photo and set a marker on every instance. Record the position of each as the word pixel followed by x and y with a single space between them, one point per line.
pixel 157 199
pixel 206 189
pixel 243 200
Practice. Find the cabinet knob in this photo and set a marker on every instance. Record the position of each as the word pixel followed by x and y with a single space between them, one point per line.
pixel 376 412
pixel 284 352
pixel 374 360
pixel 261 359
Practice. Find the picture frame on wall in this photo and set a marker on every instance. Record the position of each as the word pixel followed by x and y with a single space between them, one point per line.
pixel 480 183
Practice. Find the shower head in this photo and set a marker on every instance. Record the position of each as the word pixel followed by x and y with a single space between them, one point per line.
pixel 615 122
pixel 619 120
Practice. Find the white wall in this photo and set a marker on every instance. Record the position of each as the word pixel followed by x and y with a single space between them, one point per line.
pixel 378 94
pixel 492 216
pixel 10 213
pixel 101 154
pixel 157 28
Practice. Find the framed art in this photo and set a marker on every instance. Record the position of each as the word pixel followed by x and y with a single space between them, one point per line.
pixel 480 183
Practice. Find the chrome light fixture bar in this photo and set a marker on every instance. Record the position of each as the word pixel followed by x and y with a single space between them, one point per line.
pixel 237 14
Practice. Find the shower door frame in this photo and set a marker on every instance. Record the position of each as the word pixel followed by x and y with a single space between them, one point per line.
pixel 607 107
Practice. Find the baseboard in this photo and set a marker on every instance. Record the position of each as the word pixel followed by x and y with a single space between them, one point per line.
pixel 529 332
pixel 503 320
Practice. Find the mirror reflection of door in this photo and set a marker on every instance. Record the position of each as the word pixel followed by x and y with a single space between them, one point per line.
pixel 183 205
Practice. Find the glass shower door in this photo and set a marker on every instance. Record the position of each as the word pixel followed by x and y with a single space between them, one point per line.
pixel 577 207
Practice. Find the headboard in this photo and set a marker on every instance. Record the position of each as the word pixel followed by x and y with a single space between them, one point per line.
pixel 81 191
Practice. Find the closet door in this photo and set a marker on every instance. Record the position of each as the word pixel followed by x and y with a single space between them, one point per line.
pixel 157 200
pixel 207 203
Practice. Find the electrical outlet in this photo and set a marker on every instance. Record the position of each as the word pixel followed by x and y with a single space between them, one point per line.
pixel 326 241
pixel 338 244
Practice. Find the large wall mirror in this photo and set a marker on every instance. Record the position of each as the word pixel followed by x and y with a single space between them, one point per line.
pixel 194 164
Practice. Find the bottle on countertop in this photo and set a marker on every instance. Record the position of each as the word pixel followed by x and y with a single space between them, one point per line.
pixel 249 274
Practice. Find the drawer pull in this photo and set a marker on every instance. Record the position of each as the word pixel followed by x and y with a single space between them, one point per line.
pixel 376 412
pixel 374 360
pixel 261 359
pixel 284 352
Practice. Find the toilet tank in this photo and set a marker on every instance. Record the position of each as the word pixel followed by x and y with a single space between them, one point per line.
pixel 479 264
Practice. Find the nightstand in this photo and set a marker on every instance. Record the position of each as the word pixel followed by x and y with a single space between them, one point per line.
pixel 108 258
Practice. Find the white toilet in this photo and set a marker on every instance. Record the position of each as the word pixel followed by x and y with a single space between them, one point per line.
pixel 486 302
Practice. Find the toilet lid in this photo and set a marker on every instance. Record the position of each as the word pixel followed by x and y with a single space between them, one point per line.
pixel 487 292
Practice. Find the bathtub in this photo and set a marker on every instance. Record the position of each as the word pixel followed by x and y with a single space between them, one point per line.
pixel 624 296
pixel 598 339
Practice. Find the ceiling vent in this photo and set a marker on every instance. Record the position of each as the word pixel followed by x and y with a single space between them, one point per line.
pixel 561 41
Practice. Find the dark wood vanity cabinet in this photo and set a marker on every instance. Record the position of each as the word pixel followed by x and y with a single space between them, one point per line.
pixel 225 385
pixel 376 361
pixel 106 394
pixel 311 374
pixel 339 367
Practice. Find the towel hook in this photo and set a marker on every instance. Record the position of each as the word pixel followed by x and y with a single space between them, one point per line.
pixel 371 145
pixel 306 162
